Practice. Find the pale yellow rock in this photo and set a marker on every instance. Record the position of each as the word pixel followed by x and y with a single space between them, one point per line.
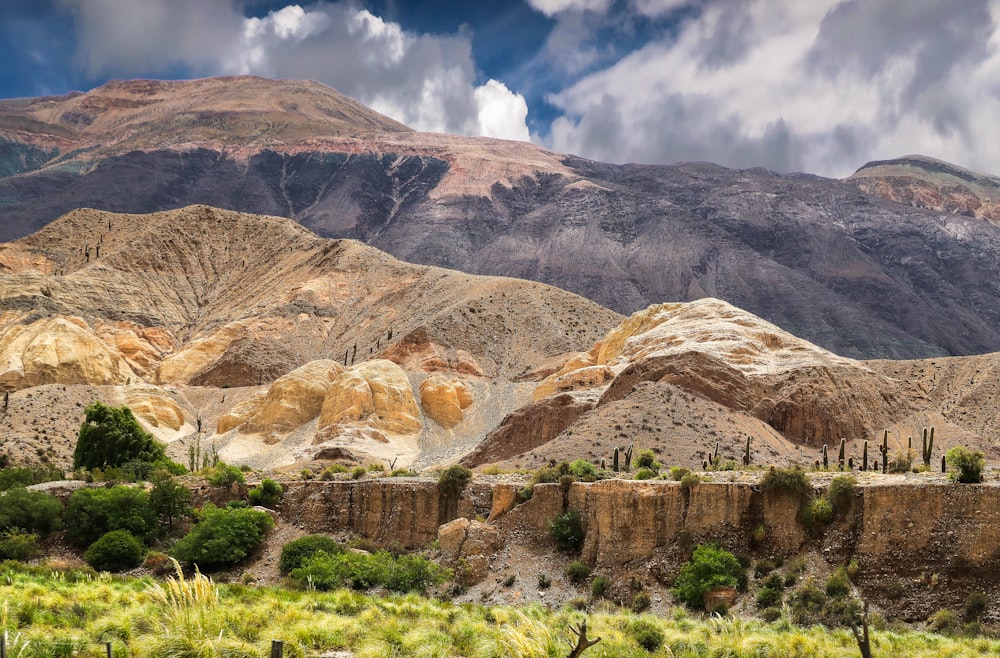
pixel 142 347
pixel 444 398
pixel 295 398
pixel 59 351
pixel 240 413
pixel 375 393
pixel 198 355
pixel 156 409
pixel 574 380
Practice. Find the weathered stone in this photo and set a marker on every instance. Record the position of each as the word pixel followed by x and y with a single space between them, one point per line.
pixel 377 393
pixel 444 399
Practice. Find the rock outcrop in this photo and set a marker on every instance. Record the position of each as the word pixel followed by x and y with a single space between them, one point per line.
pixel 294 399
pixel 444 399
pixel 374 393
pixel 470 545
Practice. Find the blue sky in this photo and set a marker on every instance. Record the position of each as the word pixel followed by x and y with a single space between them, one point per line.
pixel 820 86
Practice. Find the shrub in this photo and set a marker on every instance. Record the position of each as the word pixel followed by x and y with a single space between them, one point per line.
pixel 577 572
pixel 901 462
pixel 96 512
pixel 581 468
pixel 158 563
pixel 225 475
pixel 816 513
pixel 544 582
pixel 841 492
pixel 17 544
pixel 30 510
pixel 768 597
pixel 566 531
pixel 943 621
pixel 115 551
pixel 976 604
pixel 970 464
pixel 169 500
pixel 647 633
pixel 332 470
pixel 223 536
pixel 644 474
pixel 689 479
pixel 265 494
pixel 710 566
pixel 405 573
pixel 453 479
pixel 112 437
pixel 295 552
pixel 677 473
pixel 356 473
pixel 640 602
pixel 599 586
pixel 791 480
pixel 646 459
pixel 771 615
pixel 25 476
pixel 509 580
pixel 838 584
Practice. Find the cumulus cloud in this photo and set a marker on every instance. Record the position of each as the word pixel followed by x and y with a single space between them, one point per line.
pixel 821 86
pixel 553 7
pixel 425 81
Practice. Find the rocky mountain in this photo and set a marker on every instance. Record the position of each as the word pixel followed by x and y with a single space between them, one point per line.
pixel 924 182
pixel 855 273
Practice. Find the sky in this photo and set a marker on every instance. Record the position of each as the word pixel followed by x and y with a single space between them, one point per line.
pixel 820 86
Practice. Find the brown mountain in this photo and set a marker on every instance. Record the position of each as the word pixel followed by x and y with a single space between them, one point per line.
pixel 855 273
pixel 924 182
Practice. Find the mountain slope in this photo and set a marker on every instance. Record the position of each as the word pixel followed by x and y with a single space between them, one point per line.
pixel 854 273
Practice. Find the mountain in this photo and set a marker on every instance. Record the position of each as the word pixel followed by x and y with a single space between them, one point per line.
pixel 855 273
pixel 923 182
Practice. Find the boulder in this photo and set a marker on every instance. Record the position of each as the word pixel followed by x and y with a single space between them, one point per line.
pixel 295 398
pixel 472 542
pixel 444 399
pixel 374 393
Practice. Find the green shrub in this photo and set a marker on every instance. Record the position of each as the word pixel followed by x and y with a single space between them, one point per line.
pixel 223 536
pixel 17 544
pixel 640 602
pixel 807 604
pixel 356 473
pixel 944 621
pixel 816 513
pixel 111 437
pixel 25 476
pixel 970 464
pixel 768 597
pixel 775 581
pixel 647 633
pixel 544 582
pixel 646 459
pixel 453 479
pixel 791 480
pixel 405 573
pixel 677 473
pixel 225 475
pixel 577 572
pixel 581 468
pixel 976 604
pixel 644 474
pixel 265 494
pixel 295 552
pixel 403 473
pixel 838 584
pixel 710 566
pixel 115 551
pixel 332 470
pixel 841 492
pixel 599 586
pixel 30 510
pixel 689 479
pixel 566 531
pixel 169 500
pixel 98 511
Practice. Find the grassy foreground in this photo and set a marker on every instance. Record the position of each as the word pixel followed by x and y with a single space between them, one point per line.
pixel 47 612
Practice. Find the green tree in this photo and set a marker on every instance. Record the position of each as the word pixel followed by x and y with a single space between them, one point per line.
pixel 30 510
pixel 169 500
pixel 711 566
pixel 99 511
pixel 223 536
pixel 111 437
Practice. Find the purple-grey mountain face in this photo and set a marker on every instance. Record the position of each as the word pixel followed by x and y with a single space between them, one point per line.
pixel 855 273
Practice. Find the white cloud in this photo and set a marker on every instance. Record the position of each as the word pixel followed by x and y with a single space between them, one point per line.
pixel 425 81
pixel 820 86
pixel 553 7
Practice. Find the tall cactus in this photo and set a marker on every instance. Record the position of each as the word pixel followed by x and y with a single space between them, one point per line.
pixel 884 449
pixel 746 454
pixel 614 464
pixel 864 456
pixel 840 457
pixel 826 458
pixel 628 457
pixel 928 447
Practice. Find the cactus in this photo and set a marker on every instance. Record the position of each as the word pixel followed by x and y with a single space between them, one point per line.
pixel 604 464
pixel 928 447
pixel 746 454
pixel 826 458
pixel 615 462
pixel 944 465
pixel 840 457
pixel 909 443
pixel 864 456
pixel 884 449
pixel 628 457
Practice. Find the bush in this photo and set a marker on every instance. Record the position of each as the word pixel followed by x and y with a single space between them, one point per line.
pixel 332 470
pixel 640 602
pixel 768 597
pixel 646 459
pixel 791 480
pixel 976 604
pixel 581 468
pixel 689 479
pixel 453 479
pixel 647 633
pixel 599 586
pixel 405 573
pixel 969 464
pixel 223 536
pixel 677 473
pixel 295 552
pixel 566 531
pixel 30 510
pixel 115 551
pixel 112 437
pixel 169 500
pixel 816 513
pixel 710 566
pixel 838 584
pixel 943 621
pixel 17 544
pixel 841 492
pixel 771 615
pixel 265 494
pixel 644 474
pixel 544 582
pixel 96 512
pixel 577 572
pixel 225 475
pixel 25 476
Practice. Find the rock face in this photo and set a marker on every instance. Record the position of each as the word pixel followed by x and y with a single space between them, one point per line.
pixel 294 399
pixel 850 271
pixel 472 542
pixel 924 182
pixel 444 399
pixel 375 393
